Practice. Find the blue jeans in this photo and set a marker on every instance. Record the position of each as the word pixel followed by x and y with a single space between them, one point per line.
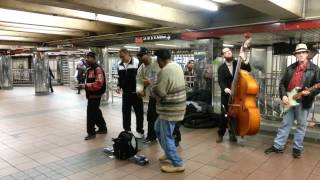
pixel 164 130
pixel 295 113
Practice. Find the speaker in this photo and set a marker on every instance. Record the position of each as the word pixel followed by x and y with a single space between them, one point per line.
pixel 283 48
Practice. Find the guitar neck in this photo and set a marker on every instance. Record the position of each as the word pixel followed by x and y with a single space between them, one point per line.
pixel 311 89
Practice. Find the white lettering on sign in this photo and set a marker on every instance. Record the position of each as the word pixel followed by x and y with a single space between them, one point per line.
pixel 157 37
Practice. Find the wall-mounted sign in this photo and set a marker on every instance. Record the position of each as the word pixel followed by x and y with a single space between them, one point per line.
pixel 150 38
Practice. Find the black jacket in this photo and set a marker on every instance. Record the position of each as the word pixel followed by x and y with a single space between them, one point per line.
pixel 127 76
pixel 310 78
pixel 225 79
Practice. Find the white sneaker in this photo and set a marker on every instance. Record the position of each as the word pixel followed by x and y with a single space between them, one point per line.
pixel 139 135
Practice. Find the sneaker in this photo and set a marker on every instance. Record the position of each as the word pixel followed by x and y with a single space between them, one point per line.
pixel 163 157
pixel 296 153
pixel 149 140
pixel 139 135
pixel 90 137
pixel 219 139
pixel 273 149
pixel 102 131
pixel 172 169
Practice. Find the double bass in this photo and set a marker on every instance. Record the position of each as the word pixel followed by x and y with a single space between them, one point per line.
pixel 243 114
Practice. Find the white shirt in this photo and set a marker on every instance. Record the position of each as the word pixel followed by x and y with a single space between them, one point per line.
pixel 230 66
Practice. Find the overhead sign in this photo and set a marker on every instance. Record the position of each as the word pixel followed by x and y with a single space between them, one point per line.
pixel 150 38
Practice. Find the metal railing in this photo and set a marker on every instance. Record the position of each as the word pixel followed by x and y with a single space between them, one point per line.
pixel 23 76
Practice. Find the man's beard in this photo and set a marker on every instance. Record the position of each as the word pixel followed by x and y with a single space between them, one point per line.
pixel 229 59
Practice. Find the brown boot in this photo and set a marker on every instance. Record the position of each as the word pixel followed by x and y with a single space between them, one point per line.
pixel 219 139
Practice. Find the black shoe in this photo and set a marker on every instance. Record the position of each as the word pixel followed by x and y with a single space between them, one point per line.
pixel 296 153
pixel 177 143
pixel 233 139
pixel 103 131
pixel 219 139
pixel 90 137
pixel 273 149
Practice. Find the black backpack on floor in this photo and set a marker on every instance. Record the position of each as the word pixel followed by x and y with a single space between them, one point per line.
pixel 125 146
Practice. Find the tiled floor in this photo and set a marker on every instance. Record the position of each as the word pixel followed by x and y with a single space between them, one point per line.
pixel 41 137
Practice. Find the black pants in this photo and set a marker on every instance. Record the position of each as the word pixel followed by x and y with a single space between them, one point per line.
pixel 223 123
pixel 152 116
pixel 94 116
pixel 50 84
pixel 80 81
pixel 130 100
pixel 176 133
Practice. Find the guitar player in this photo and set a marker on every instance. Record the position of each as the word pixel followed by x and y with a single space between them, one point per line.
pixel 304 74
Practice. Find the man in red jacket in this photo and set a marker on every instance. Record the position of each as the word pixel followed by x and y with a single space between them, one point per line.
pixel 95 87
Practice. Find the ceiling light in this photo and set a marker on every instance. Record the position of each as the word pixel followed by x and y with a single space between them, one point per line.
pixel 229 2
pixel 204 4
pixel 228 45
pixel 34 26
pixel 114 49
pixel 132 47
pixel 15 38
pixel 38 29
pixel 168 45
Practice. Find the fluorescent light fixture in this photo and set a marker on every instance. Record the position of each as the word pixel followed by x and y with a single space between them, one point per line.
pixel 34 26
pixel 227 2
pixel 15 38
pixel 3 46
pixel 22 54
pixel 113 49
pixel 102 17
pixel 204 4
pixel 38 29
pixel 228 45
pixel 167 45
pixel 132 47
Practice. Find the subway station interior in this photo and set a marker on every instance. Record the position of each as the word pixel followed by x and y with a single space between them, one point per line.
pixel 44 42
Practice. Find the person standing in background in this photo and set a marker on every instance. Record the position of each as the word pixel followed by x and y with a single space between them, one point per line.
pixel 81 72
pixel 50 79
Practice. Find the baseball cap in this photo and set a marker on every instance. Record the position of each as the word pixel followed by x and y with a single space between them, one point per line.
pixel 142 51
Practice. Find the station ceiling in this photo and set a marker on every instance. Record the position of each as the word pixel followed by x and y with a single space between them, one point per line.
pixel 38 22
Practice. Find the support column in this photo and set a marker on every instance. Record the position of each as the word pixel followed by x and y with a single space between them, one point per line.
pixel 217 45
pixel 6 78
pixel 41 73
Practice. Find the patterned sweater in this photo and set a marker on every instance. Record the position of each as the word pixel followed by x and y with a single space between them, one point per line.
pixel 170 92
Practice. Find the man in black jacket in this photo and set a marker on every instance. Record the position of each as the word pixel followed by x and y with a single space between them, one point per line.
pixel 304 74
pixel 225 77
pixel 127 71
